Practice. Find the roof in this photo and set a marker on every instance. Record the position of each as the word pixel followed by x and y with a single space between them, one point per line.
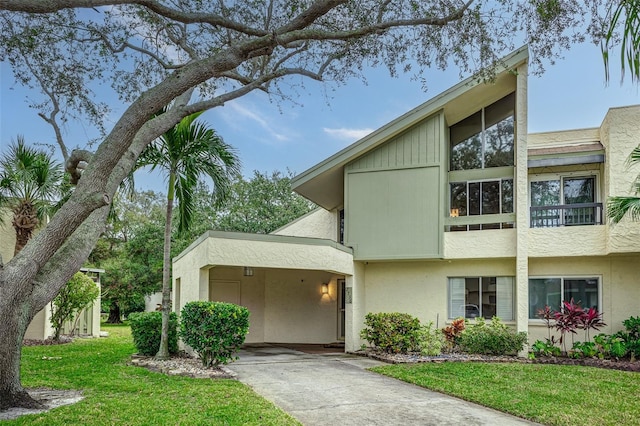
pixel 324 183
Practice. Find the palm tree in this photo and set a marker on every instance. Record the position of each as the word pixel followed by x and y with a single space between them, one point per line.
pixel 184 154
pixel 618 207
pixel 625 13
pixel 30 182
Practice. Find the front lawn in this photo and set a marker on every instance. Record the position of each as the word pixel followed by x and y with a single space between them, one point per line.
pixel 549 394
pixel 116 393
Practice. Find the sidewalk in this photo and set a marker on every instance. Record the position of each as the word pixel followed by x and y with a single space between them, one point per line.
pixel 335 389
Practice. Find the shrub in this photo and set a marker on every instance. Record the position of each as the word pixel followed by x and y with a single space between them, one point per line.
pixel 146 328
pixel 430 340
pixel 494 338
pixel 392 332
pixel 452 333
pixel 215 330
pixel 547 348
pixel 77 294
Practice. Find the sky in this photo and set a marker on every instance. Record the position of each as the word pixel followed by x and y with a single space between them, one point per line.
pixel 324 119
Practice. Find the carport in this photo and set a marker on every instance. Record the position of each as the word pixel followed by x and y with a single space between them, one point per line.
pixel 294 287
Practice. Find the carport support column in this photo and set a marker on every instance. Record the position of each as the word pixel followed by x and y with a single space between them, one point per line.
pixel 355 307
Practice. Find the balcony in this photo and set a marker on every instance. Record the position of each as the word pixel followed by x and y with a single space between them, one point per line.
pixel 566 215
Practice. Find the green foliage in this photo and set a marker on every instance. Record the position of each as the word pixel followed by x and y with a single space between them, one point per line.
pixel 547 348
pixel 494 338
pixel 430 340
pixel 392 332
pixel 146 328
pixel 215 330
pixel 262 204
pixel 584 350
pixel 77 294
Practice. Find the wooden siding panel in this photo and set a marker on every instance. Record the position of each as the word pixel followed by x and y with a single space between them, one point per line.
pixel 417 147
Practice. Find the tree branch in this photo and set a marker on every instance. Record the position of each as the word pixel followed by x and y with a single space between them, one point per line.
pixel 76 164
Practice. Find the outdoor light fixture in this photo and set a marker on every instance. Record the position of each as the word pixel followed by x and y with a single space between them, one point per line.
pixel 454 213
pixel 325 288
pixel 248 271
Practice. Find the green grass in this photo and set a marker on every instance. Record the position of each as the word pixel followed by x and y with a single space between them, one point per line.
pixel 116 393
pixel 549 394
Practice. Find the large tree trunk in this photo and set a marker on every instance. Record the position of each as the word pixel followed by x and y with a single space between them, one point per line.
pixel 114 314
pixel 14 325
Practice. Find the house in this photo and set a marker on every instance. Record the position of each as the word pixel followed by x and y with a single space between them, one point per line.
pixel 450 210
pixel 40 328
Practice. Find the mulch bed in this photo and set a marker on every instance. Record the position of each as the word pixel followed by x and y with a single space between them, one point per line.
pixel 624 364
pixel 48 342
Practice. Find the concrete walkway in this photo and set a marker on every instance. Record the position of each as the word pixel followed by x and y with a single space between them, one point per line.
pixel 335 389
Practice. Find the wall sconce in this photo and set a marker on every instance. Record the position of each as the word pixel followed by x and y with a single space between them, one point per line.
pixel 454 213
pixel 325 288
pixel 248 271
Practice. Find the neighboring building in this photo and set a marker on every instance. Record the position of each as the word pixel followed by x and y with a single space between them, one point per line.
pixel 40 328
pixel 450 210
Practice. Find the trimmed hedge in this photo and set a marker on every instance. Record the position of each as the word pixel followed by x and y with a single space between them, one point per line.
pixel 392 332
pixel 215 330
pixel 146 328
pixel 493 338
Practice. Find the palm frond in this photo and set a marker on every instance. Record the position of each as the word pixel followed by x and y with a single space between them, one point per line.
pixel 618 207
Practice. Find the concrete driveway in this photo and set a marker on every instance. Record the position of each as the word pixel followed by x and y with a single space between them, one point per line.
pixel 336 389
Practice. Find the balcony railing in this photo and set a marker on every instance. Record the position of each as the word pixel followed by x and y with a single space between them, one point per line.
pixel 566 215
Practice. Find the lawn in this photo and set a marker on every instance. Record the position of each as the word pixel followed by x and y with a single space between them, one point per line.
pixel 548 394
pixel 116 393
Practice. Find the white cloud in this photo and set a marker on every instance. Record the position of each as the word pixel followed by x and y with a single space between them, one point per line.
pixel 349 135
pixel 251 114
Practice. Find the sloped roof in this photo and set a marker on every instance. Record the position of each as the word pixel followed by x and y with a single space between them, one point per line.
pixel 324 183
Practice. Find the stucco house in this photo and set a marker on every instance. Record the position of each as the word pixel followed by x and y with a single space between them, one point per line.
pixel 40 327
pixel 450 210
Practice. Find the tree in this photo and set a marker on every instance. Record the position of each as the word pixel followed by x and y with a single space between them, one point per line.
pixel 184 153
pixel 262 204
pixel 29 184
pixel 79 293
pixel 626 13
pixel 197 56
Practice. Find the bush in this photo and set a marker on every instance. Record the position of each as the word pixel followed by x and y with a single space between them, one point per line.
pixel 79 293
pixel 392 332
pixel 430 340
pixel 146 328
pixel 215 330
pixel 452 333
pixel 494 338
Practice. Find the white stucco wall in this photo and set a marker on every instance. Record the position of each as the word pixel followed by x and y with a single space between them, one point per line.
pixel 568 241
pixel 421 288
pixel 318 223
pixel 494 243
pixel 619 287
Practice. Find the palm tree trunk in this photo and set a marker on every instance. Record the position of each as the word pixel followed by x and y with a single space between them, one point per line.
pixel 163 351
pixel 25 220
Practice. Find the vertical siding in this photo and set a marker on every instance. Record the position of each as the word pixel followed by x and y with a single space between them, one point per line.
pixel 418 146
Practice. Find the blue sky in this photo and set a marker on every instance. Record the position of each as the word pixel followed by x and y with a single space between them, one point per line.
pixel 570 94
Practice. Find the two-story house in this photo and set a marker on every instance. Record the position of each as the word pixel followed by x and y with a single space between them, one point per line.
pixel 451 210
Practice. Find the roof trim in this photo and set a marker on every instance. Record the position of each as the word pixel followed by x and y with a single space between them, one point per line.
pixel 406 120
pixel 268 238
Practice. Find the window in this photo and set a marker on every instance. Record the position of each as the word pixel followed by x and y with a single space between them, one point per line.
pixel 564 201
pixel 552 291
pixel 341 226
pixel 484 139
pixel 481 198
pixel 472 297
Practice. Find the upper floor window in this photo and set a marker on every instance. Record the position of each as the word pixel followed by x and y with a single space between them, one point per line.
pixel 564 200
pixel 481 198
pixel 485 139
